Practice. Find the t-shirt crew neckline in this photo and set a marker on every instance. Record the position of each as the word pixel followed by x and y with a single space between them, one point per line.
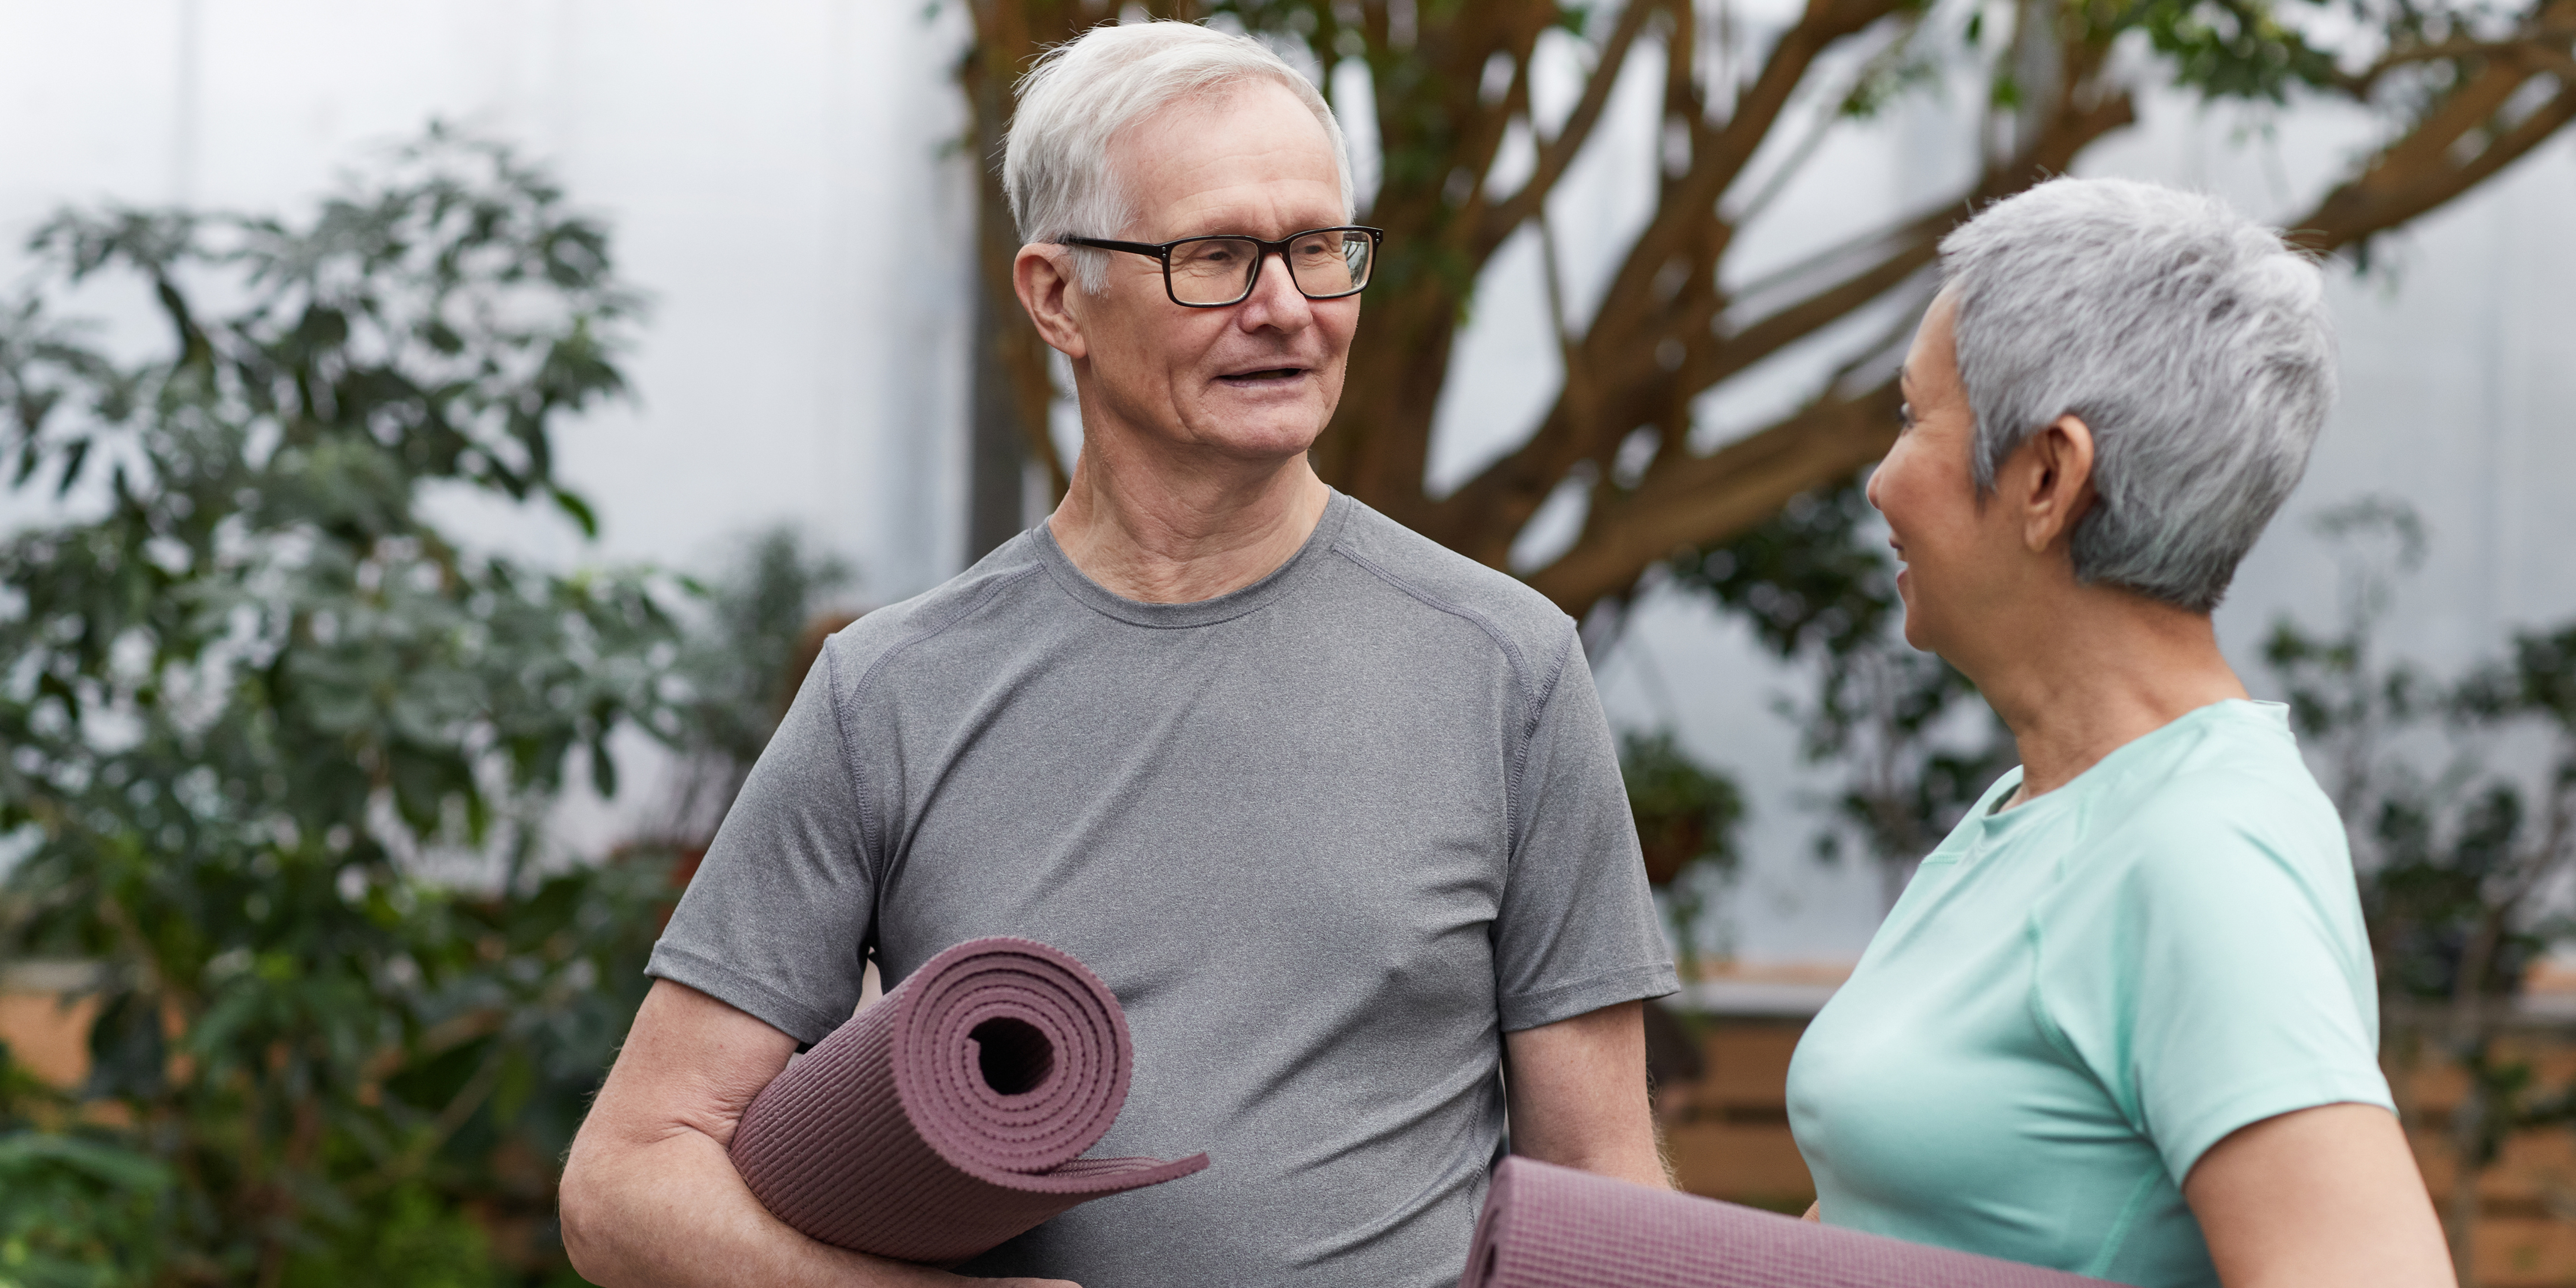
pixel 1994 821
pixel 1203 612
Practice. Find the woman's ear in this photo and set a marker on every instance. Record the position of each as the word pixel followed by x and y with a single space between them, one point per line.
pixel 2059 486
pixel 1043 277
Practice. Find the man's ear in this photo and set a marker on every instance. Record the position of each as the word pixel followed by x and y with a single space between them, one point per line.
pixel 1043 276
pixel 2056 485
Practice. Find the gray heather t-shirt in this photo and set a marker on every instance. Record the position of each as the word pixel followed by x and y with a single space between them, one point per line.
pixel 1328 837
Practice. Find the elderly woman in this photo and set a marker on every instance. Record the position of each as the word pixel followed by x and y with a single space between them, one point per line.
pixel 2123 1021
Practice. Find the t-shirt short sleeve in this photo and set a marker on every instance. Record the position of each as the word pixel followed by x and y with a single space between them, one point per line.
pixel 778 918
pixel 2224 978
pixel 1576 930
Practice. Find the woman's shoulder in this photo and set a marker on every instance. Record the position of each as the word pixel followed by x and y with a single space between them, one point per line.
pixel 2225 810
pixel 2229 768
pixel 2216 862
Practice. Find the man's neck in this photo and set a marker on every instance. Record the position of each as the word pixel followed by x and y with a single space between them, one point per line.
pixel 1165 532
pixel 2096 673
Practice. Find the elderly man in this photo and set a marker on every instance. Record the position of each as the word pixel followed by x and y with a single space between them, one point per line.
pixel 1333 810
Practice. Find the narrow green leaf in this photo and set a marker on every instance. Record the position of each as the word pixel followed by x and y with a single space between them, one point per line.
pixel 583 517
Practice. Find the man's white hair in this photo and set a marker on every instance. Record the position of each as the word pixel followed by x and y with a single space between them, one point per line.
pixel 1082 93
pixel 2191 340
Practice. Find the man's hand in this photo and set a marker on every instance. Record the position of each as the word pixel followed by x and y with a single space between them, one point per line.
pixel 2318 1198
pixel 1577 1093
pixel 649 1197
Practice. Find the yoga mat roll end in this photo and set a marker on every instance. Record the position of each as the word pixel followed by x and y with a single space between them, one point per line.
pixel 952 1114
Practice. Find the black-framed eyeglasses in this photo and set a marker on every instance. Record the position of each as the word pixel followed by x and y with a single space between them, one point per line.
pixel 1214 272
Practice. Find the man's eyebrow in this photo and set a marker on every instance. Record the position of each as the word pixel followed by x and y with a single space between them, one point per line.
pixel 1904 374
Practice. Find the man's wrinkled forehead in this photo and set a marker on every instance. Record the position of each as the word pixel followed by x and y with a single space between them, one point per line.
pixel 1248 152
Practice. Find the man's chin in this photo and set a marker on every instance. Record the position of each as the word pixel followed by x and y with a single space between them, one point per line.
pixel 1261 428
pixel 1267 445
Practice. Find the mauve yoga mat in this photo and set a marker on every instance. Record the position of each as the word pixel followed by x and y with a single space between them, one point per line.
pixel 1553 1227
pixel 951 1115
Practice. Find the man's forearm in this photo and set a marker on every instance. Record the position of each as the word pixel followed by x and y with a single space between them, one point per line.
pixel 674 1213
pixel 1629 1155
pixel 1577 1090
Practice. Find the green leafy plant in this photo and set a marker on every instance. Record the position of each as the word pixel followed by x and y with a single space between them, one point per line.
pixel 277 746
pixel 2460 800
pixel 78 1208
pixel 1687 815
pixel 759 627
pixel 1914 745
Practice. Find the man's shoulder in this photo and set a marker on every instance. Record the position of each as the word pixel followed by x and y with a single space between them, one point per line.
pixel 1013 568
pixel 1521 620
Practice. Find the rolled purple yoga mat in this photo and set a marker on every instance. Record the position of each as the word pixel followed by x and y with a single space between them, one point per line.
pixel 1554 1227
pixel 952 1114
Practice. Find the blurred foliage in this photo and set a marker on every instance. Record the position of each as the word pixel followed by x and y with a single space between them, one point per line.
pixel 2460 800
pixel 1687 815
pixel 755 618
pixel 753 626
pixel 1915 746
pixel 2243 49
pixel 1811 582
pixel 78 1208
pixel 277 748
pixel 2450 846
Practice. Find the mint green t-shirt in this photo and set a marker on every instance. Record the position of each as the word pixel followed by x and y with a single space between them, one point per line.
pixel 2078 996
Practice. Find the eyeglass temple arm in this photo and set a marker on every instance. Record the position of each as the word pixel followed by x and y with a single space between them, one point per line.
pixel 1132 248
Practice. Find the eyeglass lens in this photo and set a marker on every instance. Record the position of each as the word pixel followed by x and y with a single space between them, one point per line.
pixel 1219 270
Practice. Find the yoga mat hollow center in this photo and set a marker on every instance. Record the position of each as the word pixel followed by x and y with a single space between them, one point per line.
pixel 952 1114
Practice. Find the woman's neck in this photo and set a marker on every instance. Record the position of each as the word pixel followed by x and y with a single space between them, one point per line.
pixel 2095 672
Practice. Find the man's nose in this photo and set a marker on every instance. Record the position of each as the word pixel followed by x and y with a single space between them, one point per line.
pixel 1275 299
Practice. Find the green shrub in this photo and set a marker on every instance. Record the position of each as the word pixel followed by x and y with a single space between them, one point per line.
pixel 278 749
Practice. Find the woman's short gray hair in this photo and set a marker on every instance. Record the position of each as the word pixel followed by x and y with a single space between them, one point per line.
pixel 1055 165
pixel 2192 341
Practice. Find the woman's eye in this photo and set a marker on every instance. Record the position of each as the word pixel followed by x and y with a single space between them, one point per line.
pixel 1904 416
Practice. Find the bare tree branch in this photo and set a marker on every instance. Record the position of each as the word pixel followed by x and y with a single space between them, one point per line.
pixel 1689 500
pixel 2420 172
pixel 1631 318
pixel 1485 127
pixel 2543 44
pixel 2533 52
pixel 1726 491
pixel 1556 154
pixel 1913 248
pixel 1830 112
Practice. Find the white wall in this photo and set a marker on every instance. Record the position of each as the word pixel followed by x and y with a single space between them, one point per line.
pixel 779 176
